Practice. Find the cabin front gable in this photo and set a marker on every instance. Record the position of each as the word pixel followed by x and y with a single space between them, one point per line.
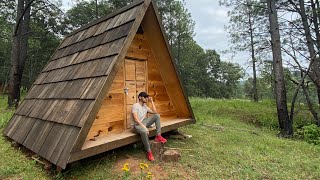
pixel 80 104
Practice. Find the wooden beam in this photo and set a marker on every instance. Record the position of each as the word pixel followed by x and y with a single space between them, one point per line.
pixel 160 48
pixel 121 139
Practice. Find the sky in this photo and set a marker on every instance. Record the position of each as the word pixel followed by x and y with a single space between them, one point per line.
pixel 210 19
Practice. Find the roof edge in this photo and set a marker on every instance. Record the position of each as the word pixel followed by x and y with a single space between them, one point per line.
pixel 92 23
pixel 157 14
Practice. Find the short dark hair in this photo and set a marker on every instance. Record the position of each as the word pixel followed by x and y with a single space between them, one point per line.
pixel 143 94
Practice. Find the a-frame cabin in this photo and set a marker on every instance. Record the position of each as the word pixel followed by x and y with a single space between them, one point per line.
pixel 79 106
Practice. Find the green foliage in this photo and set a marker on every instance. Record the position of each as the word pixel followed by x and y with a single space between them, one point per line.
pixel 201 70
pixel 86 11
pixel 310 133
pixel 44 37
pixel 5 114
pixel 224 144
pixel 6 23
pixel 231 143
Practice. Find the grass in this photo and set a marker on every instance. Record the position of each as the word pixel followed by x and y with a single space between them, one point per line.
pixel 232 139
pixel 4 113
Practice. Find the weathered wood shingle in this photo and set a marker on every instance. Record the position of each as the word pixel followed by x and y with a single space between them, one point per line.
pixel 59 103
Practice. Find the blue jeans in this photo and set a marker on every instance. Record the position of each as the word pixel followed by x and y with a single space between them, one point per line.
pixel 142 131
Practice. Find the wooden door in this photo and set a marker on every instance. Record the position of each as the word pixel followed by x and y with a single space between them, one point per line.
pixel 135 80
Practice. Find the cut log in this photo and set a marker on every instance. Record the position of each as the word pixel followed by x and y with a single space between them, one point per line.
pixel 157 149
pixel 171 156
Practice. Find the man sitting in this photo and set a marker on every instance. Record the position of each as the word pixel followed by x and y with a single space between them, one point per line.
pixel 142 122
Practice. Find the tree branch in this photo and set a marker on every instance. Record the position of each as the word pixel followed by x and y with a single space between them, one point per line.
pixel 20 19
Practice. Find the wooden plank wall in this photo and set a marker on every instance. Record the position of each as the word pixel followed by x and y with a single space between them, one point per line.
pixel 140 49
pixel 110 117
pixel 159 46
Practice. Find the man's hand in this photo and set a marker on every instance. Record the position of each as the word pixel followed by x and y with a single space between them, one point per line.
pixel 147 130
pixel 150 99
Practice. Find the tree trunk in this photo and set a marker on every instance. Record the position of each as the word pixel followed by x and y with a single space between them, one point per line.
pixel 316 24
pixel 318 93
pixel 25 27
pixel 316 19
pixel 313 112
pixel 285 123
pixel 315 69
pixel 97 13
pixel 18 52
pixel 254 82
pixel 14 65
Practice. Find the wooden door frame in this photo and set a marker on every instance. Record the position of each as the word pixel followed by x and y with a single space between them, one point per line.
pixel 125 81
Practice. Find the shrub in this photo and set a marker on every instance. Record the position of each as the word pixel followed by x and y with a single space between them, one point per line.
pixel 310 133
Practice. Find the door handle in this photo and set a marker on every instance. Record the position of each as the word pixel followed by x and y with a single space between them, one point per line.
pixel 126 90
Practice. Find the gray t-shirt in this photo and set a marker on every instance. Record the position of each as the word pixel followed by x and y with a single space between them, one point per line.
pixel 140 110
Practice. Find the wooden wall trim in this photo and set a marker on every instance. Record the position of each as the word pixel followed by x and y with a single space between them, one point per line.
pixel 160 48
pixel 122 142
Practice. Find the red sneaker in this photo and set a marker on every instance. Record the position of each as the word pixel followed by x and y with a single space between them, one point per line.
pixel 150 156
pixel 159 138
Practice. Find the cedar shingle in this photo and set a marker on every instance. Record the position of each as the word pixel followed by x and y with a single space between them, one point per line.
pixel 102 67
pixel 102 27
pixel 65 154
pixel 65 42
pixel 45 109
pixel 94 89
pixel 15 122
pixel 112 22
pixel 61 144
pixel 50 118
pixel 42 136
pixel 23 130
pixel 84 115
pixel 34 132
pixel 37 108
pixel 26 107
pixel 50 109
pixel 52 140
pixel 41 77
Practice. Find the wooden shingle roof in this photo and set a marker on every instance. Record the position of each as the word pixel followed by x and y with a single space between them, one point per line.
pixel 54 117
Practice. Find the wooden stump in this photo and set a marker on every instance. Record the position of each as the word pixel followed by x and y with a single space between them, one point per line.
pixel 171 156
pixel 157 149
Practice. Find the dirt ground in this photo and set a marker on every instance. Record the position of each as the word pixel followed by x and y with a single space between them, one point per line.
pixel 159 170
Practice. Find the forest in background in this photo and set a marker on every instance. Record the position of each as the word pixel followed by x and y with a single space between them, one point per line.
pixel 202 71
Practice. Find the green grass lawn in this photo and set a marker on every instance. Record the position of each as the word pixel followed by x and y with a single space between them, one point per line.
pixel 232 139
